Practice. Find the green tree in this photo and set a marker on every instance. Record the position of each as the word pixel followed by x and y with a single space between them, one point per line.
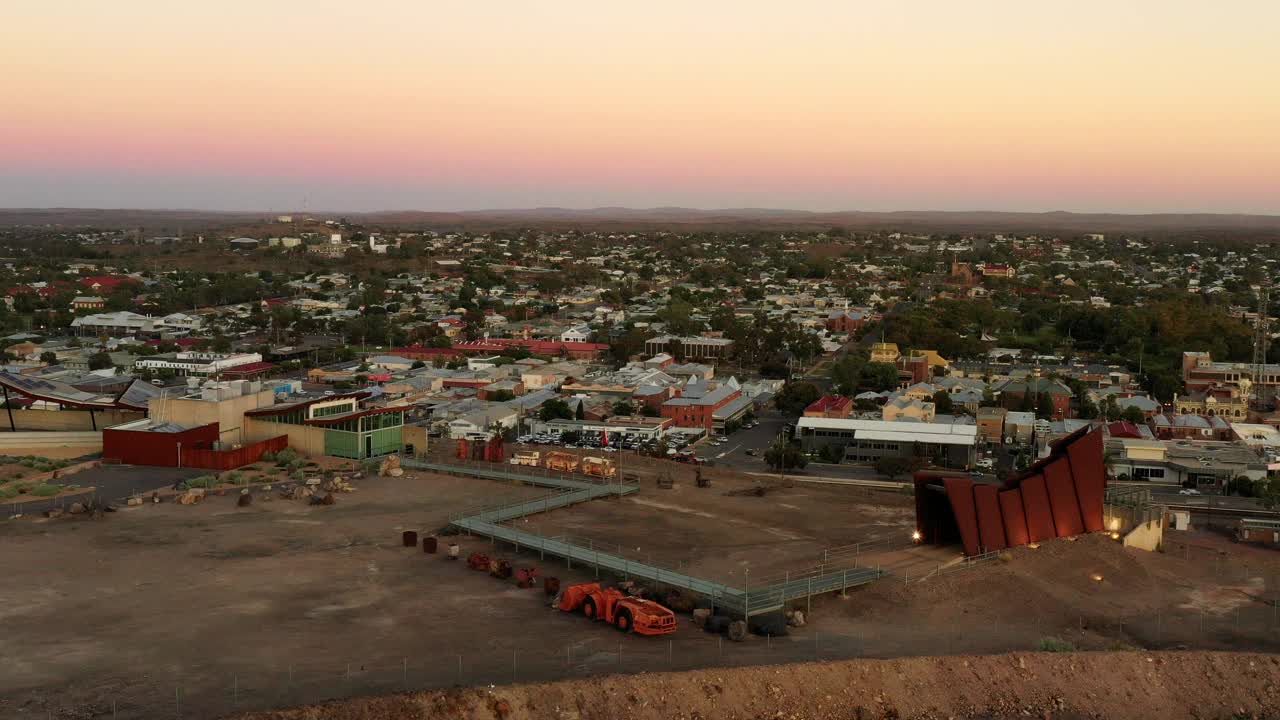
pixel 879 376
pixel 100 361
pixel 1044 406
pixel 555 409
pixel 1133 415
pixel 49 357
pixel 894 467
pixel 942 403
pixel 623 407
pixel 796 396
pixel 580 412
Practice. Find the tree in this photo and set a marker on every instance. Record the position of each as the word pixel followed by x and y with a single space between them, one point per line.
pixel 555 410
pixel 649 411
pixel 580 412
pixel 879 376
pixel 1133 415
pixel 1044 406
pixel 796 396
pixel 942 403
pixel 893 466
pixel 100 361
pixel 623 407
pixel 1268 492
pixel 785 456
pixel 49 357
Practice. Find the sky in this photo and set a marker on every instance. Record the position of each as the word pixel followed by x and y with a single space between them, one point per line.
pixel 294 105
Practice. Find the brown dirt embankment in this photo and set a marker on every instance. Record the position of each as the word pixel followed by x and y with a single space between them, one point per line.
pixel 1065 686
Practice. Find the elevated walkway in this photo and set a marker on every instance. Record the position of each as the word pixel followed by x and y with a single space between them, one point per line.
pixel 770 596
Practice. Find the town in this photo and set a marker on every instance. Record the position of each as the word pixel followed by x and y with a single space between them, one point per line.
pixel 816 444
pixel 758 351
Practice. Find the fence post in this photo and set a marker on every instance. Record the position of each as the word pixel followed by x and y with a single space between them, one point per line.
pixel 808 598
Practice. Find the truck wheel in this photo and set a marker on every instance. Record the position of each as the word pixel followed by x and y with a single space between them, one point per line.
pixel 623 621
pixel 589 608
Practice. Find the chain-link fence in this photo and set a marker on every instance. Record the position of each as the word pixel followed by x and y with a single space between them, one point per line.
pixel 1238 610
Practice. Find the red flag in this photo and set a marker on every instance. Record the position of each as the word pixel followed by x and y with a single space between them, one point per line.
pixel 604 438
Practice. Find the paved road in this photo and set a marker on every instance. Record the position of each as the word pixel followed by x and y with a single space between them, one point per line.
pixel 112 483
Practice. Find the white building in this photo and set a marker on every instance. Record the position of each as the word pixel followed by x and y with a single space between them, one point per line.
pixel 197 363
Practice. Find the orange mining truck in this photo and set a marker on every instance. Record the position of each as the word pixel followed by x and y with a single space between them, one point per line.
pixel 562 462
pixel 599 467
pixel 628 614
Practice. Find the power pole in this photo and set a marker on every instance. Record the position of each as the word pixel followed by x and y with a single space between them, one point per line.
pixel 1261 341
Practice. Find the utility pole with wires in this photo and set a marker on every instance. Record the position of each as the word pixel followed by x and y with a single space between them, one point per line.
pixel 1261 344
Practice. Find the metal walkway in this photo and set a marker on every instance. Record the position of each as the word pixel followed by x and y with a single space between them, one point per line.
pixel 488 521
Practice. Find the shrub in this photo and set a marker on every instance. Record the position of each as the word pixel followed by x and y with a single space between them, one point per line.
pixel 286 457
pixel 233 478
pixel 204 481
pixel 8 492
pixel 268 456
pixel 46 490
pixel 1053 644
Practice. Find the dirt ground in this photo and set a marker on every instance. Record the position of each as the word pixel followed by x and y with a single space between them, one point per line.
pixel 1092 685
pixel 209 610
pixel 727 534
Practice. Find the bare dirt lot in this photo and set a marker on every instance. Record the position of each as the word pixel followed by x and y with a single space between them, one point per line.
pixel 206 610
pixel 728 534
pixel 1092 685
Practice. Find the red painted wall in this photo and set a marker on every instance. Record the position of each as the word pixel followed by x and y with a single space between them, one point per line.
pixel 1035 503
pixel 1015 520
pixel 960 492
pixel 1089 472
pixel 190 448
pixel 1062 499
pixel 990 522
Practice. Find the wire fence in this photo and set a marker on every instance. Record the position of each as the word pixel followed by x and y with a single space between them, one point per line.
pixel 228 687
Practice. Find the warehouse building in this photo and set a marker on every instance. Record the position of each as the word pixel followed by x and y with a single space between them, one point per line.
pixel 866 441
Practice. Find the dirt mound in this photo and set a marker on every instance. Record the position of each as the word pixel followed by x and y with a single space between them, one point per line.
pixel 1062 685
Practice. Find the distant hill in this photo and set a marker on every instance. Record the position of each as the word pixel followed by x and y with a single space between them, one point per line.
pixel 679 218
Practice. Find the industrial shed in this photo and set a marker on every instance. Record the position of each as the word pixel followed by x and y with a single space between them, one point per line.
pixel 1059 496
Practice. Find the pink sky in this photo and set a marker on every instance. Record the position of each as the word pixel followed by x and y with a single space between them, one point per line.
pixel 1135 106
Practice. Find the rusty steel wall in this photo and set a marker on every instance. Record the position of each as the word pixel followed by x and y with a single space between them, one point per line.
pixel 1059 496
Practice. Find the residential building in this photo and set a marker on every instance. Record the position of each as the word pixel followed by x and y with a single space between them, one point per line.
pixel 830 406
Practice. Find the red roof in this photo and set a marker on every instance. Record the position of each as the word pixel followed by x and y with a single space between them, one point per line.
pixel 410 350
pixel 252 368
pixel 1124 429
pixel 827 403
pixel 106 281
pixel 537 347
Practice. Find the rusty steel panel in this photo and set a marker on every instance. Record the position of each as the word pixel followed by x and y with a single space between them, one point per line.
pixel 1089 472
pixel 990 523
pixel 1015 520
pixel 1035 503
pixel 1062 498
pixel 960 493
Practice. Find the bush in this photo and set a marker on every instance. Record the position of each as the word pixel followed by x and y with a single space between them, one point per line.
pixel 8 492
pixel 1053 644
pixel 204 481
pixel 287 457
pixel 233 478
pixel 46 490
pixel 268 456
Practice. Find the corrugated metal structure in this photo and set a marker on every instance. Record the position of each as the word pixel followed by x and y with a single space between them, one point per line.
pixel 1059 496
pixel 146 442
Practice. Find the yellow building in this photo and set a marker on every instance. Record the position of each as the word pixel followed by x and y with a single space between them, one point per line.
pixel 883 352
pixel 936 361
